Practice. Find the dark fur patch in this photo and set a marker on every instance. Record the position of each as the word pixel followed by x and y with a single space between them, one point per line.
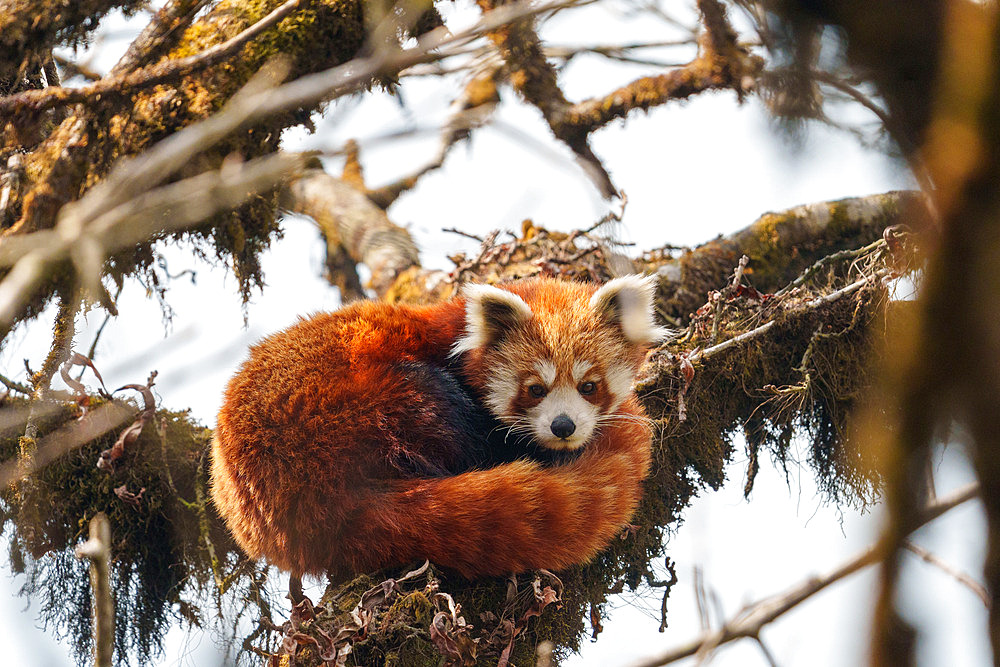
pixel 478 439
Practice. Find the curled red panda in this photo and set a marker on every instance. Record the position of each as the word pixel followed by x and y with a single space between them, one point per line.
pixel 383 434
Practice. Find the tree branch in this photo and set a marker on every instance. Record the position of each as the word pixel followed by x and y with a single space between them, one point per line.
pixel 36 101
pixel 350 220
pixel 97 549
pixel 751 620
pixel 780 246
pixel 88 234
pixel 32 27
pixel 961 577
pixel 164 30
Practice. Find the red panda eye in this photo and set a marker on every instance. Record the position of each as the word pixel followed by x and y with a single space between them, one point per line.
pixel 537 390
pixel 587 388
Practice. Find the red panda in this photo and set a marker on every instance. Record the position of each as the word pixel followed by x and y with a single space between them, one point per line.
pixel 357 440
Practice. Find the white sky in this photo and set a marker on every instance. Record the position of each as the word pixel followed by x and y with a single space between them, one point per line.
pixel 691 171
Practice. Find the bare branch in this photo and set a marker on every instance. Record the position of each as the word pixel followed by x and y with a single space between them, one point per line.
pixel 471 109
pixel 961 577
pixel 752 619
pixel 73 68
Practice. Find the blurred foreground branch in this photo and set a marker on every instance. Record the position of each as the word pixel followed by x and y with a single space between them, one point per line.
pixel 97 549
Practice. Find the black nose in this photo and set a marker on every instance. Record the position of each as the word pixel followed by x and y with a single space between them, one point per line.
pixel 562 426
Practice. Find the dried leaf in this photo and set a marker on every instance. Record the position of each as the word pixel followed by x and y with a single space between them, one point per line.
pixel 439 632
pixel 131 432
pixel 128 497
pixel 687 369
pixel 78 388
pixel 596 627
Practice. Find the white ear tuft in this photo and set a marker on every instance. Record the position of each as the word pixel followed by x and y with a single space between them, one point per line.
pixel 627 302
pixel 490 313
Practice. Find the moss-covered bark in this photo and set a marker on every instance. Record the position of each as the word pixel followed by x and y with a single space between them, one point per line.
pixel 780 245
pixel 80 151
pixel 30 28
pixel 169 551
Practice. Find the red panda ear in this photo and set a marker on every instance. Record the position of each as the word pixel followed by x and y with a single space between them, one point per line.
pixel 490 313
pixel 627 304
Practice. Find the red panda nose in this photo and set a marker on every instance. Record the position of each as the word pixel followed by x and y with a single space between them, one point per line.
pixel 562 427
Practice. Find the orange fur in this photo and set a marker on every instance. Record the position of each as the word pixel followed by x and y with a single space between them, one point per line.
pixel 302 463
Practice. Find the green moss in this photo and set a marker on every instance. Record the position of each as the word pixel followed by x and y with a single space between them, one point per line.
pixel 75 157
pixel 416 605
pixel 161 560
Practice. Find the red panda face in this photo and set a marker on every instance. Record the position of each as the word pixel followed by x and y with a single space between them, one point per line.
pixel 554 360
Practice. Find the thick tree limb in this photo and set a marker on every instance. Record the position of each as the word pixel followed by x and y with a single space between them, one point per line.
pixel 36 101
pixel 350 220
pixel 780 246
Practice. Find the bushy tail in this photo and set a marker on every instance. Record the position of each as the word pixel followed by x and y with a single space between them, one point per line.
pixel 511 518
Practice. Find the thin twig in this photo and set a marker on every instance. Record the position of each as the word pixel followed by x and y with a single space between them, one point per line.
pixel 453 230
pixel 810 305
pixel 98 550
pixel 751 620
pixel 961 577
pixel 830 259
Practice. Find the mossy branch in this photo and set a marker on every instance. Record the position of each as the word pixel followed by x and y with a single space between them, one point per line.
pixel 160 35
pixel 780 245
pixel 166 71
pixel 32 27
pixel 721 64
pixel 690 456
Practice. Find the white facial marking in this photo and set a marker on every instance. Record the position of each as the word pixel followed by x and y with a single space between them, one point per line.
pixel 501 388
pixel 546 371
pixel 563 401
pixel 619 378
pixel 580 369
